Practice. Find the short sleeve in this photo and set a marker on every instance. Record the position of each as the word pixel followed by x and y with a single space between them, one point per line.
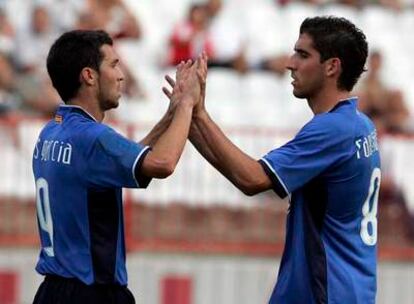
pixel 321 143
pixel 114 161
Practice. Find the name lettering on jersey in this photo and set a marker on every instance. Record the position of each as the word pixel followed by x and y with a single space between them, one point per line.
pixel 54 151
pixel 36 151
pixel 367 145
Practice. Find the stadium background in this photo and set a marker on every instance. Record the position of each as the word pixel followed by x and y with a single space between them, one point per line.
pixel 194 239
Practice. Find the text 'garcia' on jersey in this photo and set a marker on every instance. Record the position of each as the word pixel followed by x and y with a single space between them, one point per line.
pixel 54 151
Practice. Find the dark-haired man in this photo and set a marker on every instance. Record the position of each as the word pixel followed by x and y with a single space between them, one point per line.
pixel 330 171
pixel 80 166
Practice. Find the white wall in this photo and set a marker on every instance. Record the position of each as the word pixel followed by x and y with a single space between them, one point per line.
pixel 216 279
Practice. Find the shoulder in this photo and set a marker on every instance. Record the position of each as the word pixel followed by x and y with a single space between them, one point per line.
pixel 46 128
pixel 85 130
pixel 332 125
pixel 330 131
pixel 366 120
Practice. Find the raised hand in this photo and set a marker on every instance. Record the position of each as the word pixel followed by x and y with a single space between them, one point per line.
pixel 202 78
pixel 187 85
pixel 174 93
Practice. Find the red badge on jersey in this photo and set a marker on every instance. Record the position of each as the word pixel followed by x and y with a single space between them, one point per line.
pixel 58 119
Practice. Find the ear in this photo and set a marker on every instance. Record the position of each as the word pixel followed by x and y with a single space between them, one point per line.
pixel 88 76
pixel 333 67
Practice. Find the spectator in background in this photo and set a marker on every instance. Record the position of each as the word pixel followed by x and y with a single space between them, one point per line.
pixel 32 45
pixel 8 98
pixel 33 41
pixel 238 61
pixel 191 37
pixel 398 116
pixel 396 5
pixel 213 7
pixel 7 34
pixel 112 16
pixel 385 106
pixel 355 4
pixel 65 14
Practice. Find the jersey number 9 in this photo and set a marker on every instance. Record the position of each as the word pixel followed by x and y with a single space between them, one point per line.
pixel 44 214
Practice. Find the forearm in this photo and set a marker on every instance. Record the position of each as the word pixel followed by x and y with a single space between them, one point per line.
pixel 239 168
pixel 152 137
pixel 166 152
pixel 198 141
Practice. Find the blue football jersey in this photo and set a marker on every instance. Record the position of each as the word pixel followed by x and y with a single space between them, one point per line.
pixel 80 167
pixel 331 173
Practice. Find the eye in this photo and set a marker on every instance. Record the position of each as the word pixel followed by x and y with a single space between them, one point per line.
pixel 115 63
pixel 303 54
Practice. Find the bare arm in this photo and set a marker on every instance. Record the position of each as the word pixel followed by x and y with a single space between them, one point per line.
pixel 170 138
pixel 196 138
pixel 152 137
pixel 239 168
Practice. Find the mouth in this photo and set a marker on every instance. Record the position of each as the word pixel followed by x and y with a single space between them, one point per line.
pixel 294 81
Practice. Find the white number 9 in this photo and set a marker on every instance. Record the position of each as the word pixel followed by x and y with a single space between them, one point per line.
pixel 43 212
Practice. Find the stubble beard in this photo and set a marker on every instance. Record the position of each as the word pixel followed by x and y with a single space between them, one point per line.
pixel 106 103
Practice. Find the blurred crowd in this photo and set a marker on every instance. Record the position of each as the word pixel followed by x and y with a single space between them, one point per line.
pixel 24 84
pixel 26 89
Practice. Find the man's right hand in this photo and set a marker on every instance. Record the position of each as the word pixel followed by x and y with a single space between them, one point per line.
pixel 187 87
pixel 202 78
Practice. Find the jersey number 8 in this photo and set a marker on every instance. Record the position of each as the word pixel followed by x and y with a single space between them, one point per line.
pixel 370 210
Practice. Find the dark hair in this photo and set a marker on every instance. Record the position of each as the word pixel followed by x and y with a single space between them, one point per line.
pixel 335 37
pixel 69 54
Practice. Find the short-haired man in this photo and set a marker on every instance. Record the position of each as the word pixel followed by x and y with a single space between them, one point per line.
pixel 80 166
pixel 330 171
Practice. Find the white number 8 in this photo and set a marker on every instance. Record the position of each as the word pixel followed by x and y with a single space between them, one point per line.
pixel 370 216
pixel 43 212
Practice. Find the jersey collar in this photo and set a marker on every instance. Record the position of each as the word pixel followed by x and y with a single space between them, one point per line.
pixel 348 101
pixel 77 109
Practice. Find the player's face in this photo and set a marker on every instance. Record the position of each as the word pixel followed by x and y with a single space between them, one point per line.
pixel 110 79
pixel 306 69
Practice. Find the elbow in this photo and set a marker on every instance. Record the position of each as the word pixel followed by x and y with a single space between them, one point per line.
pixel 164 168
pixel 249 187
pixel 253 185
pixel 158 167
pixel 165 171
pixel 249 191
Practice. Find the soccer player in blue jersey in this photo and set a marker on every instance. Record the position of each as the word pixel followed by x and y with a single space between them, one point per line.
pixel 80 166
pixel 330 171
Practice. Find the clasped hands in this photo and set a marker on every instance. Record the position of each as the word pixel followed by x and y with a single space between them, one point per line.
pixel 189 86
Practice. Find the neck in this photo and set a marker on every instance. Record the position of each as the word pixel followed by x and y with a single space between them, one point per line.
pixel 89 104
pixel 326 100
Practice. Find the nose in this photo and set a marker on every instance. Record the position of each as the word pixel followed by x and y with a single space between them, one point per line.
pixel 121 76
pixel 290 65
